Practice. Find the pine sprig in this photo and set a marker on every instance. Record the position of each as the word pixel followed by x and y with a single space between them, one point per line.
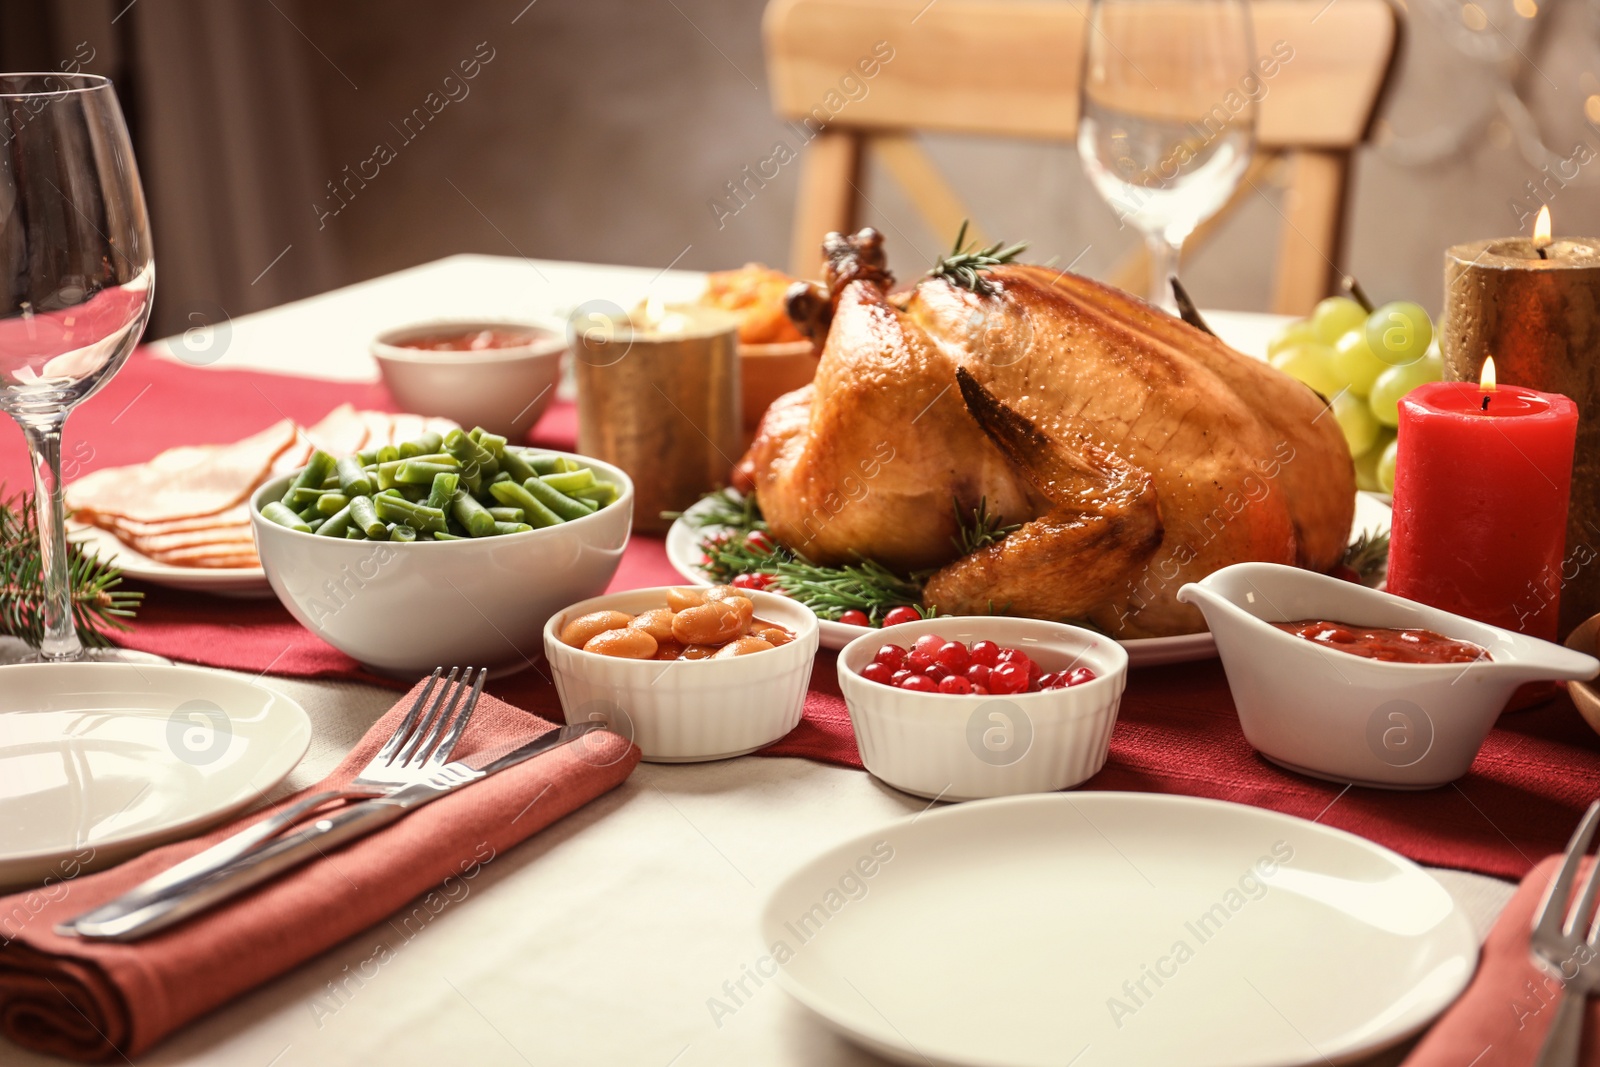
pixel 1368 556
pixel 725 508
pixel 966 265
pixel 980 529
pixel 828 591
pixel 97 603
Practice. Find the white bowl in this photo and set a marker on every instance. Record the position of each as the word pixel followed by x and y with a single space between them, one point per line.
pixel 404 609
pixel 685 711
pixel 1334 715
pixel 504 390
pixel 949 747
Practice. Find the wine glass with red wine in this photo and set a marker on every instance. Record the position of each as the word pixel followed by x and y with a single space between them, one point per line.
pixel 76 277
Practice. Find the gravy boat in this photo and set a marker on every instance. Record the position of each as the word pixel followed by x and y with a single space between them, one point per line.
pixel 1330 714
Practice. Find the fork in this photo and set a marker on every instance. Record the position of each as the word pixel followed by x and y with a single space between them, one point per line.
pixel 1557 947
pixel 422 743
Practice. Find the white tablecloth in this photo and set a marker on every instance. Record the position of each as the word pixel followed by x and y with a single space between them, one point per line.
pixel 602 939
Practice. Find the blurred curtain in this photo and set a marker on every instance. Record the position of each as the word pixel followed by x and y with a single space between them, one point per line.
pixel 223 121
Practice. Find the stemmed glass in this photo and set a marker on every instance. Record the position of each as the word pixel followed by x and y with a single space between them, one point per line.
pixel 76 277
pixel 1168 116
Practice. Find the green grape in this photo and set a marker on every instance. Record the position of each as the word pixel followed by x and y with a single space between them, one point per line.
pixel 1356 364
pixel 1335 317
pixel 1298 332
pixel 1357 421
pixel 1396 382
pixel 1399 333
pixel 1312 364
pixel 1386 466
pixel 1367 463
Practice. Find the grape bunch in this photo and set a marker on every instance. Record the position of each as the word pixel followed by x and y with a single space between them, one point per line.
pixel 1363 363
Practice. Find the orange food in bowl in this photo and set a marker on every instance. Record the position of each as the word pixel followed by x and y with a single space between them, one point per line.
pixel 756 293
pixel 717 623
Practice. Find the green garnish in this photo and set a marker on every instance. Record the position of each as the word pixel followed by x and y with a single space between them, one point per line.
pixel 965 266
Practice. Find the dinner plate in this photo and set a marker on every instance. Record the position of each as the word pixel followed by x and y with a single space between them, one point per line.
pixel 242 582
pixel 99 761
pixel 683 552
pixel 1116 929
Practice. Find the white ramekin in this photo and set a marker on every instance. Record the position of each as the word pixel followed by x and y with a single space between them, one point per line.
pixel 1330 714
pixel 504 390
pixel 685 711
pixel 966 747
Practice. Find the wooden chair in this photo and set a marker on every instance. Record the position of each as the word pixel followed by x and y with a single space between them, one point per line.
pixel 1010 68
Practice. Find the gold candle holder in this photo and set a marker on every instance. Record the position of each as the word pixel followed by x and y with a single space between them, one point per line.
pixel 658 396
pixel 1539 317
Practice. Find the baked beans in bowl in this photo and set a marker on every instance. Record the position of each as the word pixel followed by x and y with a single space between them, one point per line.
pixel 688 673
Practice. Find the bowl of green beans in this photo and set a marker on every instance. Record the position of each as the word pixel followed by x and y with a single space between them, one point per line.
pixel 453 548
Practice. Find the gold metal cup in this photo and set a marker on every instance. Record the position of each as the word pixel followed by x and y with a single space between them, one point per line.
pixel 658 396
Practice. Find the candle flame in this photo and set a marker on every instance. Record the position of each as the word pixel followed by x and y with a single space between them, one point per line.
pixel 1486 379
pixel 1541 228
pixel 654 310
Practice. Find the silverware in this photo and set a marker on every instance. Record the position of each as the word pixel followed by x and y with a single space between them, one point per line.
pixel 422 743
pixel 290 850
pixel 1559 950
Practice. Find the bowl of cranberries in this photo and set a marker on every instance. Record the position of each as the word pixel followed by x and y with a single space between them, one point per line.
pixel 964 707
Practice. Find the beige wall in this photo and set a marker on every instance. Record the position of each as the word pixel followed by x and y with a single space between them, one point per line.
pixel 599 130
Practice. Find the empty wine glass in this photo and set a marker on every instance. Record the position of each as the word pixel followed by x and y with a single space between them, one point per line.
pixel 1168 116
pixel 76 276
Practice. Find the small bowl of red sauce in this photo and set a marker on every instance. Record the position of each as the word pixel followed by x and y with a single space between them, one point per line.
pixel 1351 684
pixel 498 375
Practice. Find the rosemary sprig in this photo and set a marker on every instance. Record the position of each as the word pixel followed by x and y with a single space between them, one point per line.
pixel 1368 556
pixel 828 591
pixel 965 266
pixel 981 530
pixel 723 507
pixel 97 603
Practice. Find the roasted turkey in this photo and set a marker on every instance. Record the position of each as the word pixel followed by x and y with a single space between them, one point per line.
pixel 1136 451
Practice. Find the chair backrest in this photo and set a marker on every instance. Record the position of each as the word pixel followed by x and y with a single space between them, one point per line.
pixel 865 75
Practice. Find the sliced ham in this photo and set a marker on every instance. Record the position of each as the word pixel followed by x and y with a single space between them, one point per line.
pixel 189 506
pixel 183 482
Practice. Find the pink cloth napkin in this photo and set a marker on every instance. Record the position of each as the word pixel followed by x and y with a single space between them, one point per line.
pixel 101 1000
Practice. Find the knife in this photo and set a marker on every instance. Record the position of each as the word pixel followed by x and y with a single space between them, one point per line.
pixel 136 914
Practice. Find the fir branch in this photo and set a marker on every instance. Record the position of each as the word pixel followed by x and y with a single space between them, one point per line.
pixel 97 603
pixel 1368 556
pixel 965 266
pixel 982 530
pixel 828 591
pixel 725 508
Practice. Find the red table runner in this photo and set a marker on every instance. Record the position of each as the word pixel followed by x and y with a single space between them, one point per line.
pixel 1177 732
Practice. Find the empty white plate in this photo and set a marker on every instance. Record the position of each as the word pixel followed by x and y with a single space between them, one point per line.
pixel 99 761
pixel 1100 929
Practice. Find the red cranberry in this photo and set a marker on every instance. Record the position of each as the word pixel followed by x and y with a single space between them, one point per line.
pixel 1043 682
pixel 978 675
pixel 985 652
pixel 899 676
pixel 759 541
pixel 954 655
pixel 902 614
pixel 878 672
pixel 1080 675
pixel 980 690
pixel 891 656
pixel 1008 678
pixel 954 684
pixel 920 683
pixel 938 672
pixel 855 617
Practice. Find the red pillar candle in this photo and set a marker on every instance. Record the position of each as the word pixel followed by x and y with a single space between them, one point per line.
pixel 1480 501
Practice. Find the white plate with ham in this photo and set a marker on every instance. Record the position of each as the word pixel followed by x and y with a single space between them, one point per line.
pixel 182 519
pixel 683 552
